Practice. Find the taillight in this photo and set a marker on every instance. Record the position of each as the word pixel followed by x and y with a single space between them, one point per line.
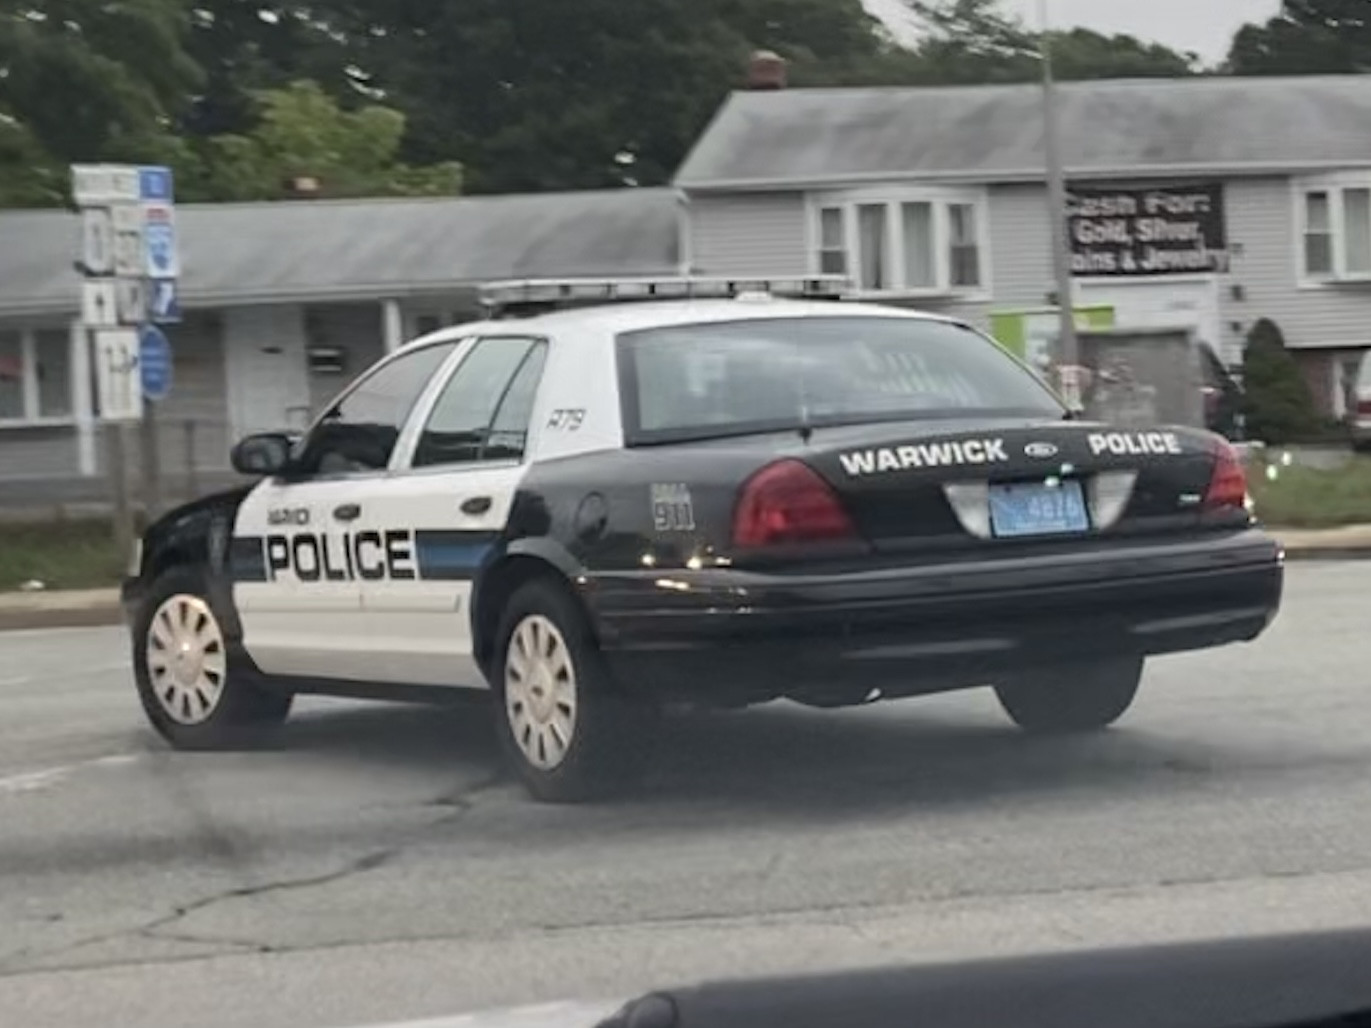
pixel 787 502
pixel 1228 482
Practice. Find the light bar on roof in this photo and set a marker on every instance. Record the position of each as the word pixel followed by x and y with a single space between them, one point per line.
pixel 497 296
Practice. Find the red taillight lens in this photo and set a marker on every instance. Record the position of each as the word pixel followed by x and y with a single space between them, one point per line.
pixel 1227 483
pixel 786 502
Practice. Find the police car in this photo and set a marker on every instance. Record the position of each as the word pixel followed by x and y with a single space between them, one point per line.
pixel 611 498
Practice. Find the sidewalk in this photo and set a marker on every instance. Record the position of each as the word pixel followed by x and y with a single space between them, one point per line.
pixel 87 607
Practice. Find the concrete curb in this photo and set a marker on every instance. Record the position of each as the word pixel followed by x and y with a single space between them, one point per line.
pixel 97 607
pixel 83 608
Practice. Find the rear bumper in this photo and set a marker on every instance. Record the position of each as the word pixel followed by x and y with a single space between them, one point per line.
pixel 737 636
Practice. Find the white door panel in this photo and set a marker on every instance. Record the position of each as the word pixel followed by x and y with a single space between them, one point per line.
pixel 267 370
pixel 420 628
pixel 303 613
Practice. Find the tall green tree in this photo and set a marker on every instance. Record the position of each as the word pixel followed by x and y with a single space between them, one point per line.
pixel 29 177
pixel 85 79
pixel 969 42
pixel 1307 37
pixel 88 80
pixel 301 133
pixel 546 94
pixel 245 49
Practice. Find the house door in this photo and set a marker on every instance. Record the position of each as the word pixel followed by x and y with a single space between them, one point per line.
pixel 268 378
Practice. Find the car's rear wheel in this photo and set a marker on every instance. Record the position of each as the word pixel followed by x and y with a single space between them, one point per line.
pixel 570 733
pixel 1072 698
pixel 193 688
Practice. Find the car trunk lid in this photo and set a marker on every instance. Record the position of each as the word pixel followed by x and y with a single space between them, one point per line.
pixel 918 484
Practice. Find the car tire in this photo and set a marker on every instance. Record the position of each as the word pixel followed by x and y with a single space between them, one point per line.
pixel 194 689
pixel 570 733
pixel 1074 698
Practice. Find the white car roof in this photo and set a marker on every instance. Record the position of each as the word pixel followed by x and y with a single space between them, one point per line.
pixel 616 318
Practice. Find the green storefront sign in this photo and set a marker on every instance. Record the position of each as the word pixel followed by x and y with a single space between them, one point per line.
pixel 1030 334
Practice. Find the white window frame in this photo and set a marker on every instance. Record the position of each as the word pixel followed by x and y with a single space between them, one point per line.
pixel 893 198
pixel 1336 187
pixel 32 416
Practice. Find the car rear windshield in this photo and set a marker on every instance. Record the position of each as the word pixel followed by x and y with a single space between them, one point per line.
pixel 718 379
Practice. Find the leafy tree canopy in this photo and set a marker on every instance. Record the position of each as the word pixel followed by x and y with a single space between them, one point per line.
pixel 544 94
pixel 390 95
pixel 206 90
pixel 971 41
pixel 301 133
pixel 83 78
pixel 1307 37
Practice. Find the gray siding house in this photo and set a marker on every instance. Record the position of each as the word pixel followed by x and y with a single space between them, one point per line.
pixel 284 302
pixel 1209 203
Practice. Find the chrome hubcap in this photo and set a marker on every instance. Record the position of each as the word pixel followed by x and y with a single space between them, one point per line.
pixel 187 662
pixel 540 692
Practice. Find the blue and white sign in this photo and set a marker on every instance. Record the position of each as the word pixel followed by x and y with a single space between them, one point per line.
pixel 159 240
pixel 154 184
pixel 164 305
pixel 154 363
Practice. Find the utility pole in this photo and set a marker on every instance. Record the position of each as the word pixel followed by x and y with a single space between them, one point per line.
pixel 1068 352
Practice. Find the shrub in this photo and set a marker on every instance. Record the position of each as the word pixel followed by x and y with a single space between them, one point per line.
pixel 1278 404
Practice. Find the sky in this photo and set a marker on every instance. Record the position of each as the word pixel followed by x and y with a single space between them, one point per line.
pixel 1204 26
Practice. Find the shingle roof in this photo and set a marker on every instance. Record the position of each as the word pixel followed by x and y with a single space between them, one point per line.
pixel 995 133
pixel 315 250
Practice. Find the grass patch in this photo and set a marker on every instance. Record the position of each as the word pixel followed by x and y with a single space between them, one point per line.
pixel 1304 497
pixel 62 554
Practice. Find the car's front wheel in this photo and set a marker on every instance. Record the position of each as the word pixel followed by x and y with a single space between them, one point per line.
pixel 1072 698
pixel 569 731
pixel 192 686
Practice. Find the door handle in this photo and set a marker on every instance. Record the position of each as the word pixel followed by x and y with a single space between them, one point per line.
pixel 476 505
pixel 347 512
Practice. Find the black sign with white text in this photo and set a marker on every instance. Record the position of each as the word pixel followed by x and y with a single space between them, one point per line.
pixel 1164 230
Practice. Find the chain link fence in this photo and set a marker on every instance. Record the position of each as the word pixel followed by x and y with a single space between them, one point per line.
pixel 166 461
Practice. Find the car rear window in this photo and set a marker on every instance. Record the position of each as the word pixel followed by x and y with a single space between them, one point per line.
pixel 718 379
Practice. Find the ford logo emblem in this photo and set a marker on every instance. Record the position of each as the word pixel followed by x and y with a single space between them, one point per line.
pixel 1042 450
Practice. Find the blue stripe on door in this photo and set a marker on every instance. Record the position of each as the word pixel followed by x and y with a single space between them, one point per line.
pixel 445 556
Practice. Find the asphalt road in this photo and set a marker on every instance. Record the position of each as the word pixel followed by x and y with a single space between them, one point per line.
pixel 373 865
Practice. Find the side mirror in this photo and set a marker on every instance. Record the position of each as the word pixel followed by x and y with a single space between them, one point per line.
pixel 264 454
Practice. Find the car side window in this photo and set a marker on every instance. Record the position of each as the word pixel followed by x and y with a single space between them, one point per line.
pixel 360 430
pixel 483 412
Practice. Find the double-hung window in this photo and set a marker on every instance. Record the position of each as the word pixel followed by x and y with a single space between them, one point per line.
pixel 1333 217
pixel 902 241
pixel 35 375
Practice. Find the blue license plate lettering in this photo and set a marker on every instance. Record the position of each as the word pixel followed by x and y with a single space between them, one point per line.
pixel 1033 509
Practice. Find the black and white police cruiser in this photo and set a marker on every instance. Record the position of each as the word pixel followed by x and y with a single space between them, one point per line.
pixel 718 494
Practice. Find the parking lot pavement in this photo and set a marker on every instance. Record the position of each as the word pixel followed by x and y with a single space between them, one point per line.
pixel 372 864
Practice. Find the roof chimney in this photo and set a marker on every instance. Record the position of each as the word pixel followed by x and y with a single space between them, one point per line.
pixel 766 70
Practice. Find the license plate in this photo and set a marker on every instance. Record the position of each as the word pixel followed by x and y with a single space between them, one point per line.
pixel 1035 508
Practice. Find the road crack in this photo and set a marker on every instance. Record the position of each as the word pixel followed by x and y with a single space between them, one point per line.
pixel 157 928
pixel 220 844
